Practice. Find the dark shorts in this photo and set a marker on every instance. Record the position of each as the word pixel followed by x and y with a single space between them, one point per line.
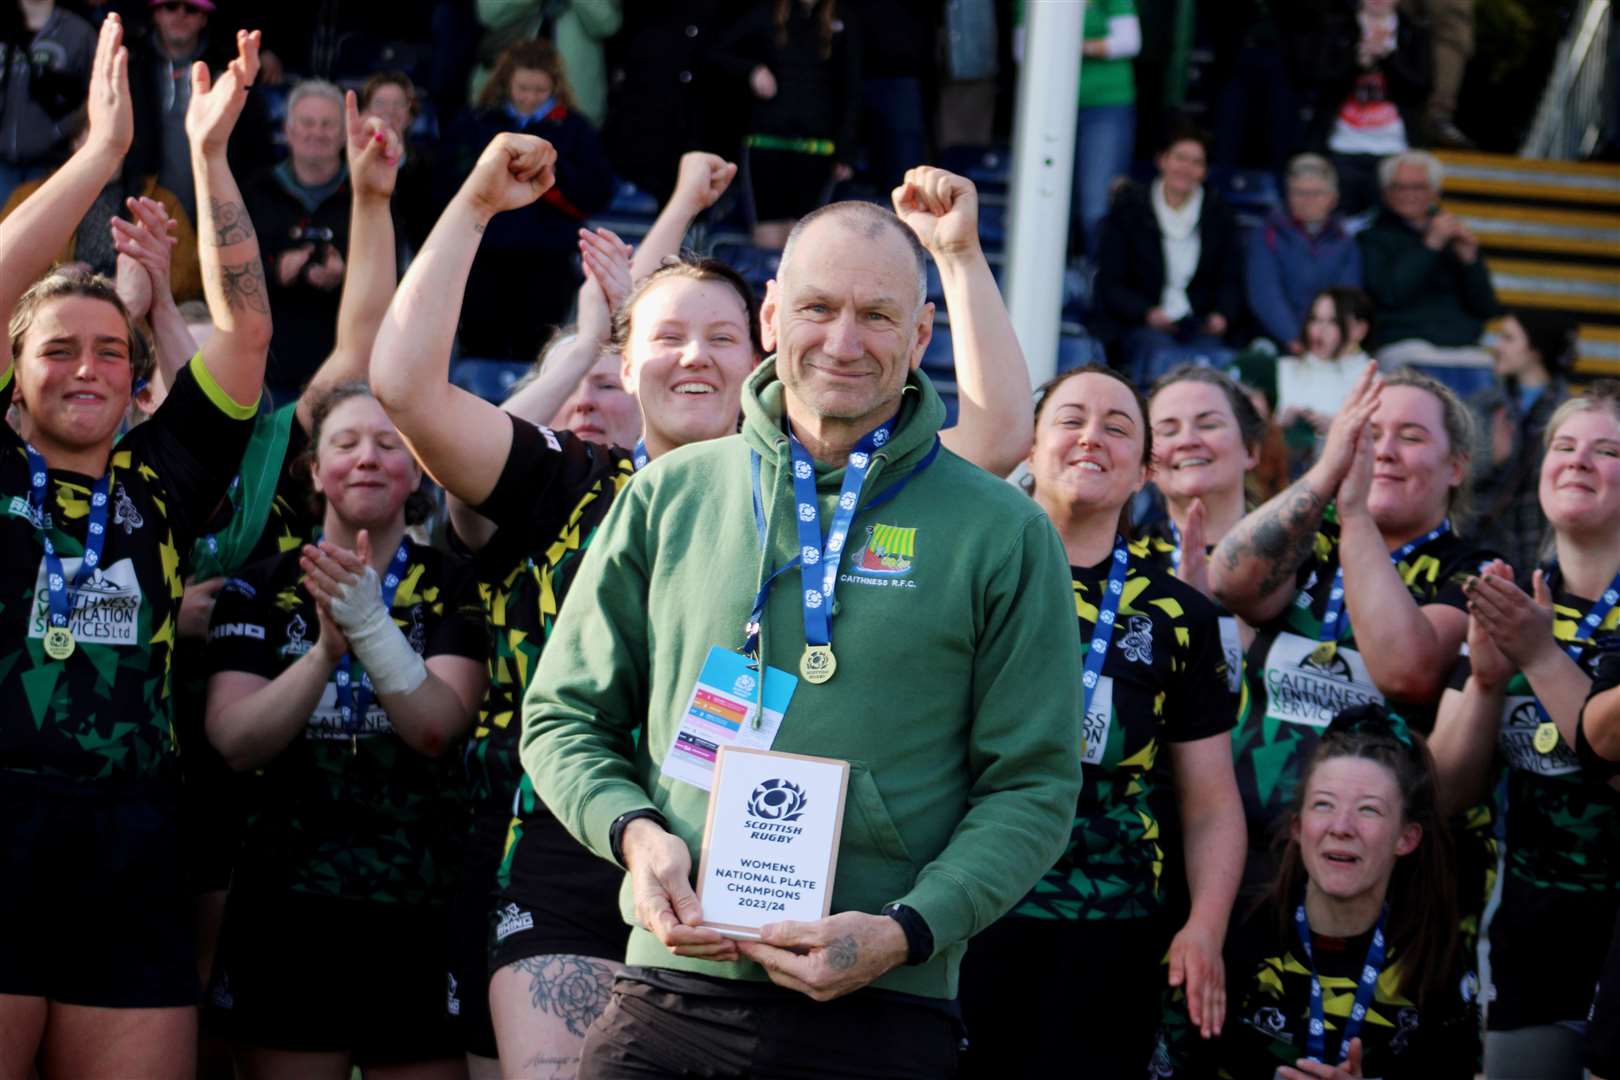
pixel 787 184
pixel 1535 981
pixel 559 898
pixel 669 1024
pixel 92 896
pixel 467 1000
pixel 1029 1011
pixel 320 975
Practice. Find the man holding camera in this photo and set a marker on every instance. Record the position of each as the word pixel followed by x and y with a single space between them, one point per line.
pixel 301 208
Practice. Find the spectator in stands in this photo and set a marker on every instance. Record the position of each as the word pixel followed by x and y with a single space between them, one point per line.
pixel 1451 28
pixel 301 208
pixel 1312 386
pixel 663 97
pixel 1370 68
pixel 390 96
pixel 160 62
pixel 577 28
pixel 1301 249
pixel 523 280
pixel 1534 351
pixel 801 61
pixel 1422 267
pixel 45 54
pixel 1105 125
pixel 1168 272
pixel 898 39
pixel 1257 47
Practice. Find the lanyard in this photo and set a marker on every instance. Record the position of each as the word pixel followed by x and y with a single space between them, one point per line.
pixel 1175 552
pixel 757 614
pixel 211 541
pixel 1329 631
pixel 1316 1036
pixel 59 640
pixel 1546 739
pixel 353 701
pixel 638 456
pixel 1103 632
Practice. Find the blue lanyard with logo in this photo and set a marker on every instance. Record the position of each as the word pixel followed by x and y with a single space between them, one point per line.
pixel 638 456
pixel 1329 632
pixel 59 643
pixel 1546 738
pixel 1316 1034
pixel 1175 552
pixel 1103 632
pixel 353 701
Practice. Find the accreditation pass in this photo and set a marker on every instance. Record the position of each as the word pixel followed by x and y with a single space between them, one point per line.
pixel 721 711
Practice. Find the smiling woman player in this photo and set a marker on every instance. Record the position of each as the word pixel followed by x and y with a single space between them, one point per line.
pixel 97 975
pixel 1357 939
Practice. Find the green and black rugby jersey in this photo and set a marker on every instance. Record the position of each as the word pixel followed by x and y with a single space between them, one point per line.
pixel 1163 681
pixel 1268 991
pixel 1159 551
pixel 106 712
pixel 1563 825
pixel 267 509
pixel 1293 694
pixel 353 813
pixel 552 494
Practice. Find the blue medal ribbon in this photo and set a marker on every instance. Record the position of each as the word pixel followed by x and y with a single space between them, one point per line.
pixel 1103 632
pixel 352 700
pixel 1588 632
pixel 1366 985
pixel 59 590
pixel 1175 552
pixel 639 456
pixel 1335 603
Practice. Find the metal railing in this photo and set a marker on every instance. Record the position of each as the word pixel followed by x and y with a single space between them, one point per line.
pixel 1577 105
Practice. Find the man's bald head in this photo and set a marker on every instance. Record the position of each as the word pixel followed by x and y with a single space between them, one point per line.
pixel 871 222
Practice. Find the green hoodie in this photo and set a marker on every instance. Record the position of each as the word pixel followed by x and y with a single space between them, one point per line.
pixel 956 701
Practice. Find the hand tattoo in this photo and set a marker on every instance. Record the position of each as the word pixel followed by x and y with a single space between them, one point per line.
pixel 231 223
pixel 842 953
pixel 575 989
pixel 243 285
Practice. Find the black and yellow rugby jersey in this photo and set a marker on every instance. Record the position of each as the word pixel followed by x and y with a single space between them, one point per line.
pixel 1163 681
pixel 1268 990
pixel 106 712
pixel 354 814
pixel 552 494
pixel 1158 549
pixel 1563 826
pixel 1292 695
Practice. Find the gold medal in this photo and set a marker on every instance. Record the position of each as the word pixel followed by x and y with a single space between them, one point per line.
pixel 59 643
pixel 1324 653
pixel 1546 740
pixel 817 664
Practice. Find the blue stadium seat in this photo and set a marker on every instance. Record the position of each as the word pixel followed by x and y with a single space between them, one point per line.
pixel 989 167
pixel 490 379
pixel 630 201
pixel 1466 381
pixel 1077 349
pixel 939 356
pixel 757 265
pixel 1254 190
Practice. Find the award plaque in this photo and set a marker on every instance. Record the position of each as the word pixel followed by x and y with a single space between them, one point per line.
pixel 770 844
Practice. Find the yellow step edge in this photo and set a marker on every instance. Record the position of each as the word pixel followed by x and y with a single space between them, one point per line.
pixel 1558 245
pixel 1598 305
pixel 1555 270
pixel 1517 190
pixel 1506 161
pixel 1538 215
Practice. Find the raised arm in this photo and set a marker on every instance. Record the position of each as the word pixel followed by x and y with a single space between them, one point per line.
pixel 702 179
pixel 461 439
pixel 227 248
pixel 374 153
pixel 32 234
pixel 145 249
pixel 606 259
pixel 1412 647
pixel 995 423
pixel 1252 572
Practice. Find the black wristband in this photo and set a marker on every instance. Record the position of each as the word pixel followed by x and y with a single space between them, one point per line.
pixel 919 939
pixel 616 830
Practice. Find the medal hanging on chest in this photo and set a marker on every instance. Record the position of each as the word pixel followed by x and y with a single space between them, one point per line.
pixel 59 643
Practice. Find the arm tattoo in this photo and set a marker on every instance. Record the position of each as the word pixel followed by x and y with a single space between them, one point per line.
pixel 575 989
pixel 479 229
pixel 244 286
pixel 231 223
pixel 1281 537
pixel 842 953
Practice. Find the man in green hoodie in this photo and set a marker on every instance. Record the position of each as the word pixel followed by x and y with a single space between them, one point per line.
pixel 947 609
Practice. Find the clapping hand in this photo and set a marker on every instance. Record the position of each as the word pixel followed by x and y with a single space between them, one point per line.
pixel 108 107
pixel 606 260
pixel 215 106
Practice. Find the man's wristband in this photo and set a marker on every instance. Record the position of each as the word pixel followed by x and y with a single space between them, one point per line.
pixel 616 830
pixel 919 939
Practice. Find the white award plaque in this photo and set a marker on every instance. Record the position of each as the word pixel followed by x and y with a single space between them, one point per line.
pixel 771 842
